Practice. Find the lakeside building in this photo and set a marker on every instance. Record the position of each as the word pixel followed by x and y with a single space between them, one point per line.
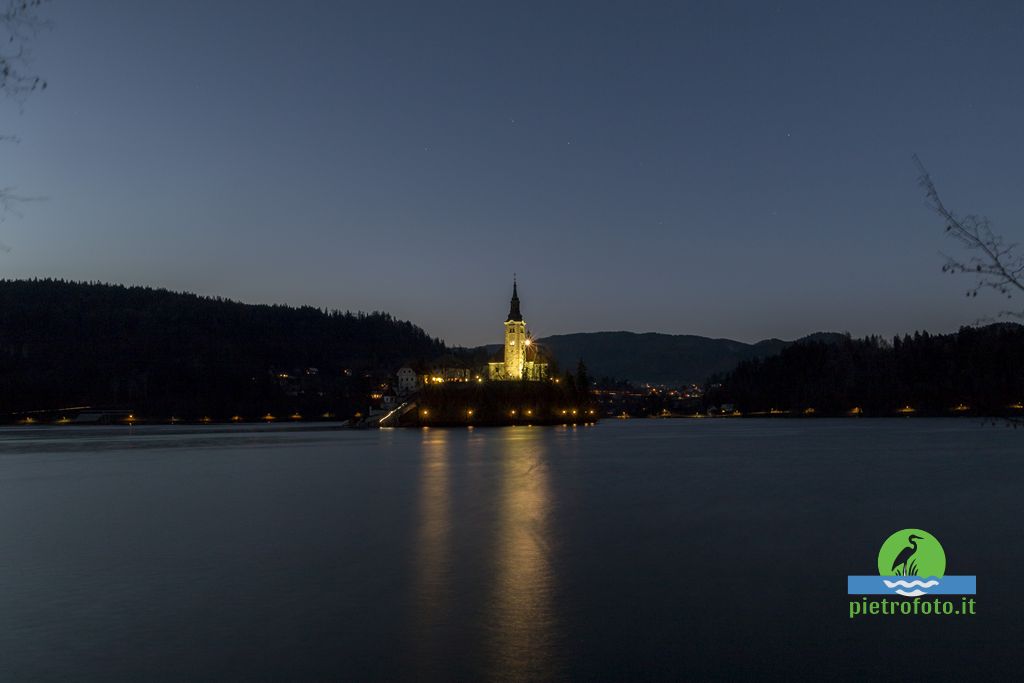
pixel 407 381
pixel 520 361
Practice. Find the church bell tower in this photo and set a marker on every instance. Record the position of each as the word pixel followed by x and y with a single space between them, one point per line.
pixel 515 338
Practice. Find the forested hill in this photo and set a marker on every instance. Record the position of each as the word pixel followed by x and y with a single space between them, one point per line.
pixel 672 359
pixel 978 370
pixel 65 343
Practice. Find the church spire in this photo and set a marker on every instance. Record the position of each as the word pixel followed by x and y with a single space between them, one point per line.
pixel 513 311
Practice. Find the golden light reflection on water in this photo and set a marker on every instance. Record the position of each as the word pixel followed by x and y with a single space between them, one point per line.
pixel 495 592
pixel 433 538
pixel 523 622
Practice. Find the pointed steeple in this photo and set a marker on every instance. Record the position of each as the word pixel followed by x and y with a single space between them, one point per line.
pixel 513 311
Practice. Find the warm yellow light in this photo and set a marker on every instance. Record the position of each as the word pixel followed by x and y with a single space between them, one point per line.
pixel 470 412
pixel 236 418
pixel 573 411
pixel 529 412
pixel 563 412
pixel 268 417
pixel 204 420
pixel 856 411
pixel 423 413
pixel 809 411
pixel 296 416
pixel 905 410
pixel 528 342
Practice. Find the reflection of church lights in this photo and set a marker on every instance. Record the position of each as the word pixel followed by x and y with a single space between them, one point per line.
pixel 524 578
pixel 433 581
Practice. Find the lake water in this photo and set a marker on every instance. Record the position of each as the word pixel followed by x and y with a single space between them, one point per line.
pixel 672 549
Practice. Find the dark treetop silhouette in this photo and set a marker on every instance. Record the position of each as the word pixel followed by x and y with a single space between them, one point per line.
pixel 164 353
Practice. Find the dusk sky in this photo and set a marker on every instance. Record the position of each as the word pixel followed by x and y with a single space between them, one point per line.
pixel 726 169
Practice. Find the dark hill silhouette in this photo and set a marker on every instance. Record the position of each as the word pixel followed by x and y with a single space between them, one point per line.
pixel 660 358
pixel 977 369
pixel 168 353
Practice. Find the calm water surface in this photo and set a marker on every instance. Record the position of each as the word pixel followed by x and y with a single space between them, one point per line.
pixel 626 550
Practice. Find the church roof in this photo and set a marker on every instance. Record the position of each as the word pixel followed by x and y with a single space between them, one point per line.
pixel 513 310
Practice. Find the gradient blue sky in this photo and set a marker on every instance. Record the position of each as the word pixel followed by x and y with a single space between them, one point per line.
pixel 726 169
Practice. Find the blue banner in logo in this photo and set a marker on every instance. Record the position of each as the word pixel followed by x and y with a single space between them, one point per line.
pixel 910 586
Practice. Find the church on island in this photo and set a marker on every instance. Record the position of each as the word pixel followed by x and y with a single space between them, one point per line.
pixel 521 355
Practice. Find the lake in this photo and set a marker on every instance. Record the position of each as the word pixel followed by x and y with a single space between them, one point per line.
pixel 639 549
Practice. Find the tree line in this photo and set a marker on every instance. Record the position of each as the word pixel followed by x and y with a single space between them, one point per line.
pixel 168 353
pixel 977 369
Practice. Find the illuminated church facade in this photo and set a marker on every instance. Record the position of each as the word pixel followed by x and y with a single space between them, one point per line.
pixel 520 353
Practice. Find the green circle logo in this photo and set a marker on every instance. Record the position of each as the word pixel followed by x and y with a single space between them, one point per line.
pixel 912 552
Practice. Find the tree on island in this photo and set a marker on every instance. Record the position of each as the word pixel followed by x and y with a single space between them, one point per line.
pixel 582 378
pixel 994 263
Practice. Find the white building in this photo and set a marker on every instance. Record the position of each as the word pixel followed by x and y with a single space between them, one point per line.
pixel 407 381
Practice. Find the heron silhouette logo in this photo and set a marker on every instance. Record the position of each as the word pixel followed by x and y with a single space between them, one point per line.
pixel 911 563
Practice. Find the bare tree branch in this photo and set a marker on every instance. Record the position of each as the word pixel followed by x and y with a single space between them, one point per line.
pixel 995 263
pixel 19 23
